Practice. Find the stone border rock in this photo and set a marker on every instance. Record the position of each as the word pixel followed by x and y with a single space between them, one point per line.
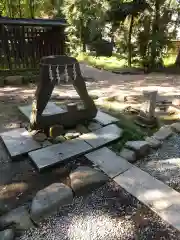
pixel 47 201
pixel 133 150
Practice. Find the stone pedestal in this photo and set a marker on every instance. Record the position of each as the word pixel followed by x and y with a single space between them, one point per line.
pixel 146 117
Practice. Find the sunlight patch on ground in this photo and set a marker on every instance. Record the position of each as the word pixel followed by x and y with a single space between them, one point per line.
pixel 97 226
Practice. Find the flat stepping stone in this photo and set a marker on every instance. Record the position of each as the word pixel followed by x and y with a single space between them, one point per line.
pixel 104 118
pixel 48 200
pixel 102 136
pixel 158 196
pixel 140 147
pixel 49 110
pixel 163 133
pixel 153 143
pixel 18 217
pixel 7 234
pixel 49 156
pixel 128 154
pixel 85 179
pixel 18 142
pixel 108 161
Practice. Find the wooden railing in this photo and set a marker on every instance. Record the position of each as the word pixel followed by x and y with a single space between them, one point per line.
pixel 23 42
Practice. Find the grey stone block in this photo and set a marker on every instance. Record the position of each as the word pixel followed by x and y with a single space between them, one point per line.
pixel 57 153
pixel 49 200
pixel 85 179
pixel 18 217
pixel 105 118
pixel 49 110
pixel 19 141
pixel 102 136
pixel 140 147
pixel 108 161
pixel 176 127
pixel 7 234
pixel 163 133
pixel 152 142
pixel 71 134
pixel 128 154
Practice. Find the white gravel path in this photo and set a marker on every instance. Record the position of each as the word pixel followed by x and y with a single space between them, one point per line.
pixel 164 163
pixel 106 214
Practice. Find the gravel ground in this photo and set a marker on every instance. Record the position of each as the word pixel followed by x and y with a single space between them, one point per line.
pixel 164 163
pixel 109 213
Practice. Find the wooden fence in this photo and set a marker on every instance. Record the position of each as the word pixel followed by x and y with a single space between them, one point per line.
pixel 23 42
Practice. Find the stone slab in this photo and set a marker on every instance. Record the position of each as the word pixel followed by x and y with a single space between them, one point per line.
pixel 102 136
pixel 104 118
pixel 57 153
pixel 158 196
pixel 108 161
pixel 18 142
pixel 49 110
pixel 48 200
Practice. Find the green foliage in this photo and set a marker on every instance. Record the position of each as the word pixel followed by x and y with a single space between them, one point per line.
pixel 148 39
pixel 86 19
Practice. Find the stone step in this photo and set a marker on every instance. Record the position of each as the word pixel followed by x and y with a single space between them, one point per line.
pixel 108 161
pixel 57 153
pixel 49 110
pixel 105 119
pixel 102 136
pixel 19 142
pixel 51 155
pixel 159 197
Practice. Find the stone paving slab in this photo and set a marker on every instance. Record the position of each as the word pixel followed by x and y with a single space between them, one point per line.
pixel 159 197
pixel 18 142
pixel 104 118
pixel 102 136
pixel 108 161
pixel 57 153
pixel 50 109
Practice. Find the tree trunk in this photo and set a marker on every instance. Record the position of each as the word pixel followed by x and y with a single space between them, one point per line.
pixel 177 63
pixel 155 30
pixel 129 41
pixel 31 8
pixel 19 6
pixel 82 36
